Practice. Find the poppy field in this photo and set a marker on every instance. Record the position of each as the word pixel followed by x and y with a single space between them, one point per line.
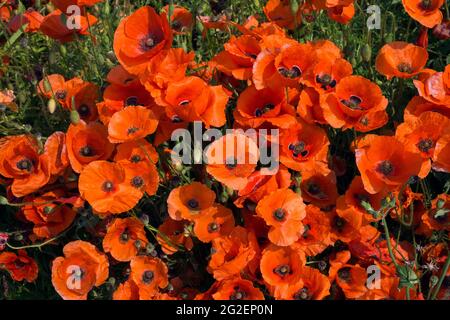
pixel 224 150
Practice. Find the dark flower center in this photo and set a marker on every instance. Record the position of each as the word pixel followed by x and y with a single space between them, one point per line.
pixel 353 103
pixel 344 274
pixel 292 73
pixel 339 223
pixel 84 110
pixel 25 164
pixel 404 67
pixel 147 276
pixel 279 214
pixel 426 4
pixel 125 236
pixel 137 182
pixel 135 158
pixel 176 119
pixel 267 107
pixel 298 149
pixel 282 270
pixel 302 294
pixel 60 94
pixel 213 227
pixel 107 186
pixel 149 42
pixel 193 204
pixel 184 103
pixel 19 264
pixel 87 151
pixel 385 167
pixel 326 81
pixel 131 101
pixel 425 145
pixel 237 294
pixel 250 55
pixel 132 130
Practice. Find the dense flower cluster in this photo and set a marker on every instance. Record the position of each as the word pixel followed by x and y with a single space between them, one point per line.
pixel 288 233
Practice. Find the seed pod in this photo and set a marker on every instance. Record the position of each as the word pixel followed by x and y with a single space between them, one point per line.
pixel 47 85
pixel 52 59
pixel 63 50
pixel 51 105
pixel 366 53
pixel 294 7
pixel 74 117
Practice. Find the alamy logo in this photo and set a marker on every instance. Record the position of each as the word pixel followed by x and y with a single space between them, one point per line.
pixel 373 277
pixel 73 21
pixel 374 20
pixel 73 281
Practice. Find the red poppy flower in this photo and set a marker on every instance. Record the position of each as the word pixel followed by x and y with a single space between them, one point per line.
pixel 357 103
pixel 313 286
pixel 384 163
pixel 172 236
pixel 237 289
pixel 192 99
pixel 149 274
pixel 126 291
pixel 257 107
pixel 124 238
pixel 131 123
pixel 20 267
pixel 87 142
pixel 219 222
pixel 103 184
pixel 280 12
pixel 342 14
pixel 81 268
pixel 401 59
pixel 181 19
pixel 64 4
pixel 319 190
pixel 283 210
pixel 141 36
pixel 190 202
pixel 49 217
pixel 32 18
pixel 435 86
pixel 426 12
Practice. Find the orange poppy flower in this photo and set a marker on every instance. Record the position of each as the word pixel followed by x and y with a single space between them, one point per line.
pixel 304 147
pixel 232 159
pixel 141 176
pixel 7 98
pixel 233 254
pixel 260 185
pixel 257 107
pixel 357 103
pixel 166 67
pixel 103 184
pixel 53 86
pixel 313 286
pixel 401 59
pixel 319 190
pixel 435 86
pixel 20 267
pixel 192 99
pixel 280 12
pixel 237 289
pixel 171 236
pixel 139 37
pixel 82 267
pixel 328 71
pixel 20 160
pixel 419 105
pixel 83 95
pixel 219 22
pixel 309 108
pixel 342 14
pixel 124 238
pixel 64 4
pixel 384 162
pixel 131 123
pixel 283 210
pixel 190 201
pixel 282 62
pixel 149 274
pixel 219 222
pixel 426 12
pixel 137 152
pixel 49 217
pixel 437 217
pixel 87 142
pixel 53 26
pixel 126 291
pixel 181 19
pixel 441 158
pixel 316 234
pixel 32 18
pixel 422 134
pixel 344 228
pixel 167 125
pixel 350 205
pixel 281 267
pixel 238 57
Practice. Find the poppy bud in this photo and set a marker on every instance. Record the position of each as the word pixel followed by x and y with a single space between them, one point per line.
pixel 366 53
pixel 442 31
pixel 52 58
pixel 107 8
pixel 47 85
pixel 389 38
pixel 3 200
pixel 74 117
pixel 18 237
pixel 294 7
pixel 63 50
pixel 422 40
pixel 51 105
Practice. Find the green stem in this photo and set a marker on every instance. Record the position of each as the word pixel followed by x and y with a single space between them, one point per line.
pixel 441 278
